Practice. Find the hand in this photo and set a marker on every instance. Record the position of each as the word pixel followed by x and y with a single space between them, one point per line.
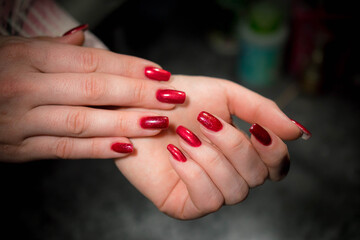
pixel 52 93
pixel 221 169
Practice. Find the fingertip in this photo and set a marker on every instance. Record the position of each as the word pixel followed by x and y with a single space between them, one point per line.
pixel 304 133
pixel 176 153
pixel 121 147
pixel 272 150
pixel 209 121
pixel 157 73
pixel 80 28
pixel 77 38
pixel 260 134
pixel 170 96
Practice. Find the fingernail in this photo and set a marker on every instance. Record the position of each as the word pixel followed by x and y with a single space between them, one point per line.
pixel 176 153
pixel 170 96
pixel 188 136
pixel 122 147
pixel 82 27
pixel 157 74
pixel 157 122
pixel 209 121
pixel 260 134
pixel 306 134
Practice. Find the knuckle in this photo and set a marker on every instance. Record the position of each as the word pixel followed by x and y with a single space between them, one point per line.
pixel 195 173
pixel 76 122
pixel 96 149
pixel 215 159
pixel 238 143
pixel 13 47
pixel 89 61
pixel 239 194
pixel 93 89
pixel 212 204
pixel 64 148
pixel 260 178
pixel 12 86
pixel 139 91
pixel 121 125
pixel 244 192
pixel 266 104
pixel 272 103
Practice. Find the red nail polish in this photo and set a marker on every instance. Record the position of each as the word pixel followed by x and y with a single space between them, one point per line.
pixel 260 134
pixel 82 27
pixel 170 96
pixel 188 136
pixel 156 122
pixel 176 153
pixel 209 121
pixel 122 147
pixel 306 134
pixel 157 74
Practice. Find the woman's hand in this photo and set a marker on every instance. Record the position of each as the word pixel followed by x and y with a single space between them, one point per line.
pixel 52 94
pixel 210 163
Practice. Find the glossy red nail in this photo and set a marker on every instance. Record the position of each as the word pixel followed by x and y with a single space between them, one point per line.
pixel 170 96
pixel 82 27
pixel 157 74
pixel 306 134
pixel 260 134
pixel 176 153
pixel 209 121
pixel 156 122
pixel 188 136
pixel 122 147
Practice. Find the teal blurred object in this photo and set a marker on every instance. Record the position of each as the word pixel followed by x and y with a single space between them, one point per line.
pixel 262 38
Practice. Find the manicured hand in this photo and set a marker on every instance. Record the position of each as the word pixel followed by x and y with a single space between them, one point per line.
pixel 203 162
pixel 56 99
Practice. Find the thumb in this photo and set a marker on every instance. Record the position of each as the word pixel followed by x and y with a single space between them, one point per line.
pixel 254 108
pixel 74 36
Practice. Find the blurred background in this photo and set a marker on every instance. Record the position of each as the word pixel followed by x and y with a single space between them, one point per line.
pixel 303 54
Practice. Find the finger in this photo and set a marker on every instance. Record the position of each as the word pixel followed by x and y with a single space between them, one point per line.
pixel 272 150
pixel 99 89
pixel 232 186
pixel 236 147
pixel 76 38
pixel 89 122
pixel 48 147
pixel 204 195
pixel 55 57
pixel 252 107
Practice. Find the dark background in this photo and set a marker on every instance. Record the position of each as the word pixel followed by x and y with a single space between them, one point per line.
pixel 90 199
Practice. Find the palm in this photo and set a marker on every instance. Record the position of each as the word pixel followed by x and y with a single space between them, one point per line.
pixel 149 169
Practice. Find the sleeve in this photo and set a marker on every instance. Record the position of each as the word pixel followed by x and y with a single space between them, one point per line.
pixel 31 18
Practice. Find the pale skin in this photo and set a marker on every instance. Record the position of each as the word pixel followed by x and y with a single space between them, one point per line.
pixel 218 172
pixel 46 86
pixel 228 162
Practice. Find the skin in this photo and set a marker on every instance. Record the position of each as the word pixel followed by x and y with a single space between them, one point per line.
pixel 52 93
pixel 52 100
pixel 228 162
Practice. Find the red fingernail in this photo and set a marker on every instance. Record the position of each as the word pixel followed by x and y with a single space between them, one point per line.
pixel 176 153
pixel 260 134
pixel 157 74
pixel 306 134
pixel 157 122
pixel 82 27
pixel 188 136
pixel 209 121
pixel 122 147
pixel 170 96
